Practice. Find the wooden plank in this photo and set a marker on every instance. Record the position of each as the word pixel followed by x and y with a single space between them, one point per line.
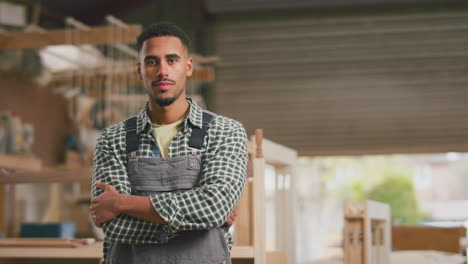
pixel 94 36
pixel 50 175
pixel 259 210
pixel 16 162
pixel 85 252
pixel 258 198
pixel 42 242
pixel 49 261
pixel 427 238
pixel 242 252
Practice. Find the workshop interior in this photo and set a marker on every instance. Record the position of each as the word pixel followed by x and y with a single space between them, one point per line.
pixel 356 113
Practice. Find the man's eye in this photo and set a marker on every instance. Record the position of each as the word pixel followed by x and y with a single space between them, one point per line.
pixel 151 62
pixel 172 61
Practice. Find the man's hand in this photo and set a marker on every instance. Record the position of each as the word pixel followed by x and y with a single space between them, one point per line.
pixel 231 218
pixel 104 207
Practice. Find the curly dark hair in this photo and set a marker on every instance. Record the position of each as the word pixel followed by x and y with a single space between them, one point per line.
pixel 161 30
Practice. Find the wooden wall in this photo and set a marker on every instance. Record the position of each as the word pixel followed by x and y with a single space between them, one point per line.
pixel 366 82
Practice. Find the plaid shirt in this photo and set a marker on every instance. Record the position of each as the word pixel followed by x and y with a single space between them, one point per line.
pixel 224 161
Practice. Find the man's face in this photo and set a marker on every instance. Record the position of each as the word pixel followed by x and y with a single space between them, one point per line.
pixel 164 67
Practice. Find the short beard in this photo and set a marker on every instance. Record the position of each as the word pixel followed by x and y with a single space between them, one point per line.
pixel 163 102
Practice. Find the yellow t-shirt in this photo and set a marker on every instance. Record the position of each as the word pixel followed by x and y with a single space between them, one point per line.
pixel 163 134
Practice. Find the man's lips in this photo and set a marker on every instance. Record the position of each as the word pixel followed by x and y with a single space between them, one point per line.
pixel 163 85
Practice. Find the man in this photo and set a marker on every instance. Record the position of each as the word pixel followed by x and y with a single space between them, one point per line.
pixel 166 181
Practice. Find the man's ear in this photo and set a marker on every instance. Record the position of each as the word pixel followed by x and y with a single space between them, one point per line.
pixel 189 67
pixel 139 71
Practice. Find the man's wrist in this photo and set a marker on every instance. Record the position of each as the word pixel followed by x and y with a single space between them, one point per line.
pixel 122 203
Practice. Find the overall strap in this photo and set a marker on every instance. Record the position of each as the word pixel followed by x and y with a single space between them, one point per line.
pixel 198 134
pixel 131 137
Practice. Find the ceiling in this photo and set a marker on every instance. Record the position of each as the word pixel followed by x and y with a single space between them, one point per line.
pixel 90 12
pixel 93 12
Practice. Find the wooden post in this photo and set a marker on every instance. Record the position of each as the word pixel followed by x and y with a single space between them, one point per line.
pixel 242 226
pixel 259 200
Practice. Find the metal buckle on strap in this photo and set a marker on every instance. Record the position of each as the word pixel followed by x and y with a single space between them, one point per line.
pixel 193 150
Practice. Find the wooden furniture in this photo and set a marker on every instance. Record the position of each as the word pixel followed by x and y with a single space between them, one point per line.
pixel 427 238
pixel 249 228
pixel 249 235
pixel 367 236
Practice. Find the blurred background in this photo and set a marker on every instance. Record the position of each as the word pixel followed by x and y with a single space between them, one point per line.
pixel 372 95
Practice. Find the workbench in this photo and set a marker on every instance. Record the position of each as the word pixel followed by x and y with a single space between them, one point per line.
pixel 91 254
pixel 51 255
pixel 410 257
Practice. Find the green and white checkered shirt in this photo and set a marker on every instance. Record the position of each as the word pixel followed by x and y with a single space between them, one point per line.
pixel 224 161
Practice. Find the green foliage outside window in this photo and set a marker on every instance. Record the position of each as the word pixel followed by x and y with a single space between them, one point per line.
pixel 398 191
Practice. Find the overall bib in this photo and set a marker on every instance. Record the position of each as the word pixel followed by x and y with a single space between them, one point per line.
pixel 153 175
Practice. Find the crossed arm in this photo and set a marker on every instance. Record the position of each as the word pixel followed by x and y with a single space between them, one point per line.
pixel 112 203
pixel 222 182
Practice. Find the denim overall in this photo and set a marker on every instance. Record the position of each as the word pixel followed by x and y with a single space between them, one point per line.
pixel 153 175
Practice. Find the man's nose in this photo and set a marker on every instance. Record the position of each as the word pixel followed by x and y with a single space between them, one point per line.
pixel 163 69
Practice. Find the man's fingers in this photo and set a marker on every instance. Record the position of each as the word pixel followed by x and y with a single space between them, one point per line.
pixel 101 185
pixel 104 186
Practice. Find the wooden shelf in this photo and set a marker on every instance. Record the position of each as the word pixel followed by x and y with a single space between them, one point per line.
pixel 47 175
pixel 19 162
pixel 93 36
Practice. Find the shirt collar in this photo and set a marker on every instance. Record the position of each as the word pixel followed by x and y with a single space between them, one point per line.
pixel 194 116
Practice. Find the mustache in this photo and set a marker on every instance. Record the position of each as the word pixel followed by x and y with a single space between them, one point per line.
pixel 153 83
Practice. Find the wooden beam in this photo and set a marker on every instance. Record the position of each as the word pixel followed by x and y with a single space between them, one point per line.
pixel 20 162
pixel 94 36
